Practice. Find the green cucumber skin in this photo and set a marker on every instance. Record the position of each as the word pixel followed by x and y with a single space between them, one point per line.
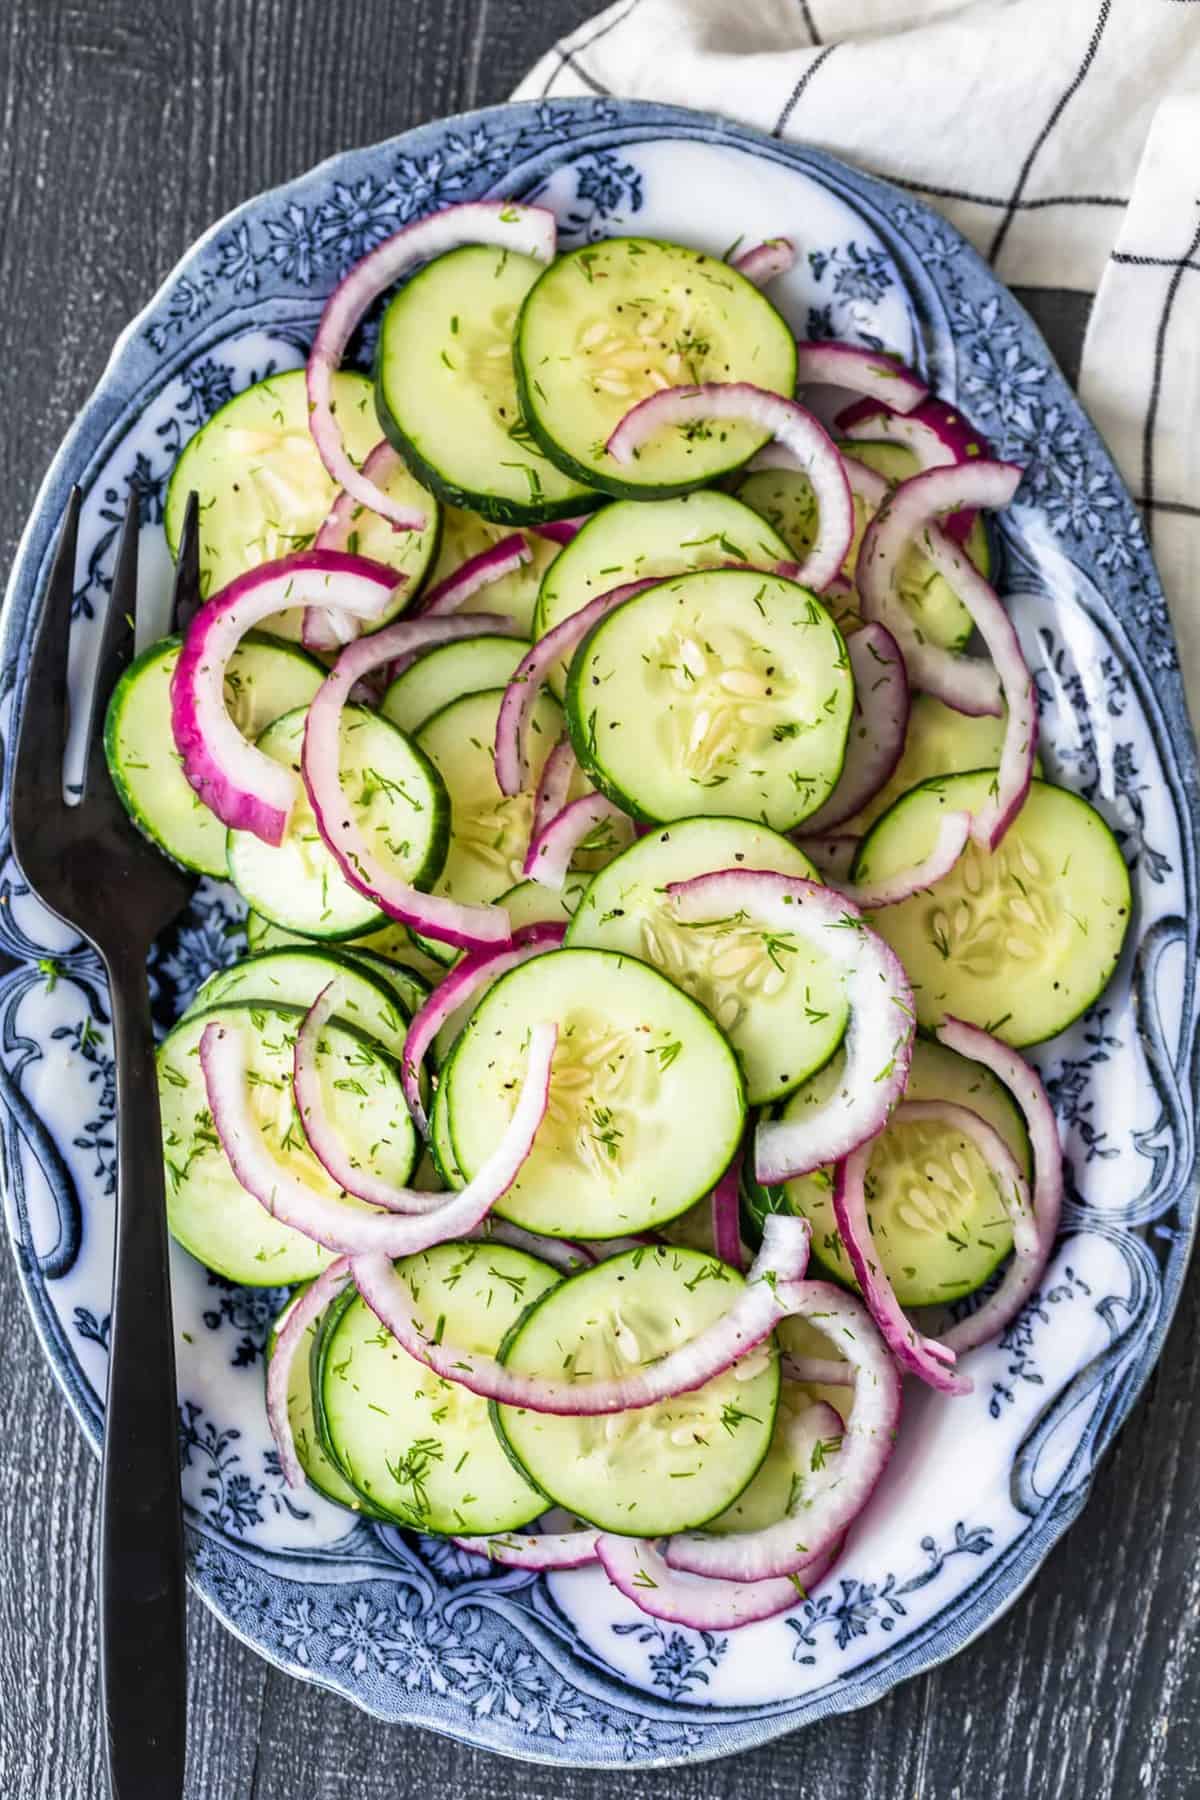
pixel 329 1324
pixel 424 878
pixel 365 1506
pixel 112 717
pixel 488 506
pixel 621 1230
pixel 495 1410
pixel 573 710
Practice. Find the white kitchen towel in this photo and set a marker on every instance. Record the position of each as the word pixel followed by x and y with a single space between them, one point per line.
pixel 1062 137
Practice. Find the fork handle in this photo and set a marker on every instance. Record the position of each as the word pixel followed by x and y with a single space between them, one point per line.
pixel 143 1670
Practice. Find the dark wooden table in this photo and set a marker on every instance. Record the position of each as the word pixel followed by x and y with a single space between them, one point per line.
pixel 125 127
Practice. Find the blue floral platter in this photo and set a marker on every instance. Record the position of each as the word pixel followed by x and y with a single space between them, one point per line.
pixel 561 1669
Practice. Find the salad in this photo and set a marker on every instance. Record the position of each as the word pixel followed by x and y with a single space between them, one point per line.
pixel 652 888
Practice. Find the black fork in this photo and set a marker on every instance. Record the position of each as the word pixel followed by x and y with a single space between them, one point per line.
pixel 92 868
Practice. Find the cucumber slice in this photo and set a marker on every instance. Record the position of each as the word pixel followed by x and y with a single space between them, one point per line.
pixel 264 491
pixel 628 541
pixel 410 989
pixel 447 673
pixel 466 534
pixel 607 325
pixel 401 804
pixel 660 1468
pixel 938 1225
pixel 446 391
pixel 785 501
pixel 939 741
pixel 490 830
pixel 781 1007
pixel 441 1146
pixel 208 1211
pixel 265 678
pixel 646 1100
pixel 422 1450
pixel 1021 940
pixel 722 692
pixel 295 976
pixel 392 942
pixel 532 903
pixel 773 1489
pixel 311 1454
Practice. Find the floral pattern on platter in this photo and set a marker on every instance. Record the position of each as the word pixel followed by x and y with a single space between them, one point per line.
pixel 560 1668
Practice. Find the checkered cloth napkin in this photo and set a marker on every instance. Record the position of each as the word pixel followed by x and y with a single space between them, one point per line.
pixel 1062 137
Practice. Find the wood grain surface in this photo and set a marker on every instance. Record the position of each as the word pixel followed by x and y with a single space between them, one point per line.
pixel 126 126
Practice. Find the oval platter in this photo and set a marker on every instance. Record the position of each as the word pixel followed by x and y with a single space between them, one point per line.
pixel 561 1669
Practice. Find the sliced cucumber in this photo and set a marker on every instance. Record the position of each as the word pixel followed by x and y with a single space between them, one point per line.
pixel 938 1223
pixel 785 501
pixel 646 1101
pixel 938 741
pixel 441 1146
pixel 780 1481
pixel 446 391
pixel 295 976
pixel 628 541
pixel 399 802
pixel 420 1449
pixel 490 830
pixel 609 324
pixel 313 1458
pixel 410 989
pixel 660 1468
pixel 265 678
pixel 392 942
pixel 532 903
pixel 1021 940
pixel 466 534
pixel 723 692
pixel 208 1211
pixel 264 492
pixel 447 673
pixel 781 1007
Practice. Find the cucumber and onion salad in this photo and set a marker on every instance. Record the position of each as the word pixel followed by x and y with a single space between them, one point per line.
pixel 603 1139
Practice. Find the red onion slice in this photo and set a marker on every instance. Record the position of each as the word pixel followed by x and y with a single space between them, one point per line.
pixel 879 1037
pixel 1031 1251
pixel 554 788
pixel 954 831
pixel 468 927
pixel 818 1371
pixel 246 789
pixel 813 450
pixel 520 696
pixel 834 853
pixel 751 1319
pixel 1018 752
pixel 637 1570
pixel 869 372
pixel 868 1440
pixel 920 1355
pixel 464 980
pixel 329 1148
pixel 553 848
pixel 910 512
pixel 937 435
pixel 773 257
pixel 560 531
pixel 225 1061
pixel 877 731
pixel 527 230
pixel 726 1216
pixel 560 1253
pixel 502 558
pixel 306 1309
pixel 539 1551
pixel 329 627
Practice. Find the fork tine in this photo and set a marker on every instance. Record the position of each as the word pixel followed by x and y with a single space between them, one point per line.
pixel 37 794
pixel 186 600
pixel 116 643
